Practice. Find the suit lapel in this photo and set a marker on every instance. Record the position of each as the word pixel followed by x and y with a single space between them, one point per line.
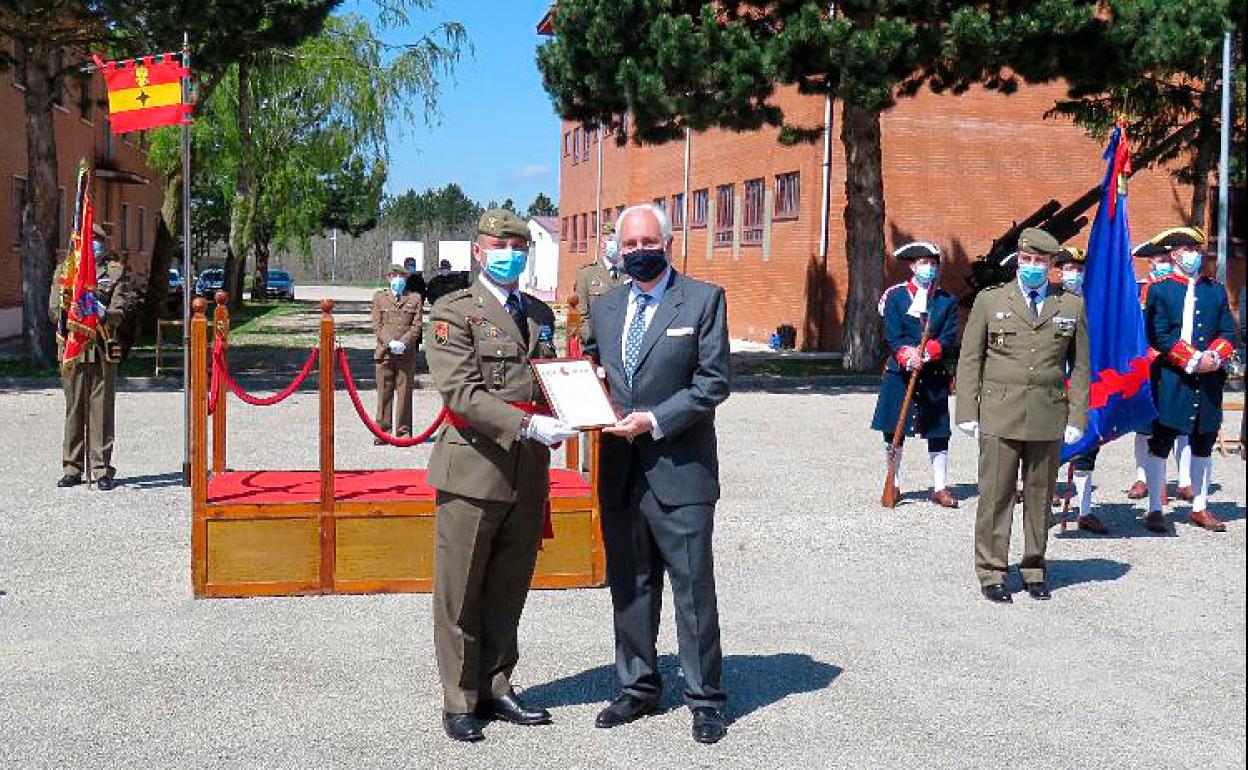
pixel 663 317
pixel 496 313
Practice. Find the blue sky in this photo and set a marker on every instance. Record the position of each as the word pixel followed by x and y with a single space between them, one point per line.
pixel 497 135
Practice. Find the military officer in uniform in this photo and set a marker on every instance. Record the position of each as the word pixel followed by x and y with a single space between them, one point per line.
pixel 599 277
pixel 490 468
pixel 906 307
pixel 396 317
pixel 1022 341
pixel 90 384
pixel 1188 322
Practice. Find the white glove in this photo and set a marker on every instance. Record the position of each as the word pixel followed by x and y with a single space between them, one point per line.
pixel 397 347
pixel 1073 435
pixel 100 309
pixel 548 430
pixel 970 428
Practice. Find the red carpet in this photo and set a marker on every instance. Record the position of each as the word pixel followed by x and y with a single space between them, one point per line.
pixel 251 487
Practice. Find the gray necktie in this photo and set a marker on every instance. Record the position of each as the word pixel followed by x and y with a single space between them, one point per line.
pixel 636 332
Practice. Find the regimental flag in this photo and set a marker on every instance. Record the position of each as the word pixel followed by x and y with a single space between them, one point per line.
pixel 1121 400
pixel 80 320
pixel 145 93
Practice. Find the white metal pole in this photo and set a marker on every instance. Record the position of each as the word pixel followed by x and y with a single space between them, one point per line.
pixel 684 206
pixel 1224 198
pixel 333 259
pixel 598 203
pixel 186 266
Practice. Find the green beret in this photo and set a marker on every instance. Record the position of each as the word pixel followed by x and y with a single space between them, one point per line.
pixel 1037 241
pixel 502 223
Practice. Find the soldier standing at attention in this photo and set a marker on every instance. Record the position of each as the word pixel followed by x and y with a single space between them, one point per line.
pixel 396 322
pixel 1021 342
pixel 906 307
pixel 1188 322
pixel 491 470
pixel 599 277
pixel 90 383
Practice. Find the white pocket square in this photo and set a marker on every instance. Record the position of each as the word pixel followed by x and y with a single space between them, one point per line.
pixel 683 331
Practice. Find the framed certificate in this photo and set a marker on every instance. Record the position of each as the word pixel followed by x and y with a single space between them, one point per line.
pixel 574 392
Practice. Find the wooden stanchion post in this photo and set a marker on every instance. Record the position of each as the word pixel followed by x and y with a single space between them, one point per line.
pixel 199 447
pixel 328 527
pixel 220 331
pixel 572 450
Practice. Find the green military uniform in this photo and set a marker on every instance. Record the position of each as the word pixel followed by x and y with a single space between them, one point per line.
pixel 90 384
pixel 492 485
pixel 395 319
pixel 593 280
pixel 1012 381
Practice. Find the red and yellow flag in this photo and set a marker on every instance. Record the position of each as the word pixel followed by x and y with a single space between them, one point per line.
pixel 80 319
pixel 146 92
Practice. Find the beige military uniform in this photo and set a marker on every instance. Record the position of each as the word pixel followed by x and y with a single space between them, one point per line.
pixel 90 384
pixel 395 318
pixel 492 488
pixel 592 281
pixel 1012 380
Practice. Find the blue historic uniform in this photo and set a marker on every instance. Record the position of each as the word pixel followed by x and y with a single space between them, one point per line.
pixel 1188 403
pixel 929 412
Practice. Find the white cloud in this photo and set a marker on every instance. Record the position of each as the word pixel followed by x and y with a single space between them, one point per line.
pixel 532 171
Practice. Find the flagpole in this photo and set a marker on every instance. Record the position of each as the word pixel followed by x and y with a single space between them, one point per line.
pixel 186 265
pixel 1224 162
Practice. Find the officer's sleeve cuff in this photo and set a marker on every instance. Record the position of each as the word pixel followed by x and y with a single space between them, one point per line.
pixel 1222 347
pixel 933 350
pixel 655 431
pixel 1184 355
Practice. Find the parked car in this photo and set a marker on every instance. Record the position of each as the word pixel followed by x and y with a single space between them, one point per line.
pixel 280 285
pixel 210 281
pixel 175 281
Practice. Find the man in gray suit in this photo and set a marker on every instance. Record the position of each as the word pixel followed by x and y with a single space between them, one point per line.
pixel 663 341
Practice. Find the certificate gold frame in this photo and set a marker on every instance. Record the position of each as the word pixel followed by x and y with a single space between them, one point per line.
pixel 575 392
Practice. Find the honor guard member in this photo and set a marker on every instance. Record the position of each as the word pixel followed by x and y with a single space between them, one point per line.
pixel 396 323
pixel 1071 263
pixel 90 384
pixel 905 308
pixel 1188 321
pixel 1161 265
pixel 1021 343
pixel 599 277
pixel 490 468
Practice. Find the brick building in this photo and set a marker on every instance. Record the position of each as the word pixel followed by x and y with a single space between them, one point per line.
pixel 958 171
pixel 127 196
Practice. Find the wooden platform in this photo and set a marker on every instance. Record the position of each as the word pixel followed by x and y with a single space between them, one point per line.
pixel 291 532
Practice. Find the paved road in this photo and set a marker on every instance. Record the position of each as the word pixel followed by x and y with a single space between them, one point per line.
pixel 854 638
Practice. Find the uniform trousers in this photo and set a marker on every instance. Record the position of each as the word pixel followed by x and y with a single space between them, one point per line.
pixel 90 393
pixel 1000 460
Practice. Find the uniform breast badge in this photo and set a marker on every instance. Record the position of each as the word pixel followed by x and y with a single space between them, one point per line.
pixel 441 332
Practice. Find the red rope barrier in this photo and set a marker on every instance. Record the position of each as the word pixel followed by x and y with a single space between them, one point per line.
pixel 371 424
pixel 220 371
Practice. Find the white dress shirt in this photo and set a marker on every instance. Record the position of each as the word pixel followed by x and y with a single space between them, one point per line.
pixel 501 294
pixel 1042 294
pixel 652 306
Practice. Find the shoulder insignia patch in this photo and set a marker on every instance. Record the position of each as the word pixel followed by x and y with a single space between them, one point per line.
pixel 442 332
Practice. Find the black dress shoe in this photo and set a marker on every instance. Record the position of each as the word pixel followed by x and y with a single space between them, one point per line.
pixel 1039 591
pixel 624 709
pixel 509 708
pixel 69 481
pixel 106 484
pixel 462 727
pixel 708 725
pixel 997 593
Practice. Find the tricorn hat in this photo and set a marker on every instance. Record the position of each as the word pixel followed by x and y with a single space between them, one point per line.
pixel 1172 239
pixel 1071 255
pixel 917 250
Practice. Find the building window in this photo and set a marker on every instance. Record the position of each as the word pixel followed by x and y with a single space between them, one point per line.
pixel 618 210
pixel 84 97
pixel 563 230
pixel 698 217
pixel 19 202
pixel 788 195
pixel 584 144
pixel 752 212
pixel 660 204
pixel 142 229
pixel 108 137
pixel 584 231
pixel 125 227
pixel 566 137
pixel 724 214
pixel 678 211
pixel 576 243
pixel 594 227
pixel 606 217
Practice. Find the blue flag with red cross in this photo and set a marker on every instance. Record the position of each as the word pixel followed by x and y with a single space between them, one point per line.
pixel 1121 398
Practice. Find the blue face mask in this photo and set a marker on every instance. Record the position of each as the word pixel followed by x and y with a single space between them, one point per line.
pixel 612 252
pixel 398 283
pixel 925 274
pixel 505 266
pixel 1033 276
pixel 1072 280
pixel 1163 269
pixel 1190 262
pixel 99 247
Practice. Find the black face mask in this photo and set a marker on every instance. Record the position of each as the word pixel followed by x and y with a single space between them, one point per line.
pixel 645 264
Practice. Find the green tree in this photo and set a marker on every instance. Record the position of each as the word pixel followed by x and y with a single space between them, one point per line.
pixel 674 65
pixel 1167 76
pixel 433 215
pixel 542 206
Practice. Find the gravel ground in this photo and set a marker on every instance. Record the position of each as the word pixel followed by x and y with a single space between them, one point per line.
pixel 853 637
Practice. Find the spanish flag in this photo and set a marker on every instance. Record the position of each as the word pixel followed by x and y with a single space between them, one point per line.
pixel 146 92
